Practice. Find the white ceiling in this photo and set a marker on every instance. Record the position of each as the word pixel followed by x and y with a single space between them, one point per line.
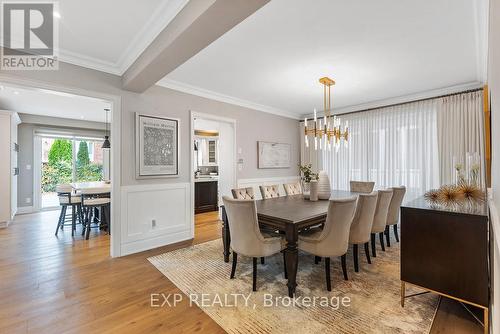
pixel 51 103
pixel 373 49
pixel 109 35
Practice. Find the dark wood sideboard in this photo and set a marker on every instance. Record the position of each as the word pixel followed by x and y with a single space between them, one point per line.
pixel 446 251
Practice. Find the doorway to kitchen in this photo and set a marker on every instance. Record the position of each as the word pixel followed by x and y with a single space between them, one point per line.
pixel 213 164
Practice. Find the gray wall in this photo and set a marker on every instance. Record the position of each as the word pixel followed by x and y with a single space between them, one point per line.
pixel 494 85
pixel 251 125
pixel 25 139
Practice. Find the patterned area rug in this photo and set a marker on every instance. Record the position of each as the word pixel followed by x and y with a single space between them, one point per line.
pixel 369 302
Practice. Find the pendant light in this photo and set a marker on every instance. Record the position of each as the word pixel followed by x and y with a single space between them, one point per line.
pixel 106 143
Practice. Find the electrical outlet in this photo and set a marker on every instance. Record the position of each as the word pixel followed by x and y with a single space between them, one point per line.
pixel 28 200
pixel 153 223
pixel 28 167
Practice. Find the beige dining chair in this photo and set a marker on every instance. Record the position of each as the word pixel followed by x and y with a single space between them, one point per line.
pixel 243 193
pixel 398 193
pixel 246 238
pixel 361 186
pixel 271 191
pixel 68 198
pixel 333 240
pixel 93 199
pixel 379 220
pixel 292 188
pixel 362 226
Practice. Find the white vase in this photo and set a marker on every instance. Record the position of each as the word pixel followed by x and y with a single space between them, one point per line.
pixel 313 191
pixel 324 189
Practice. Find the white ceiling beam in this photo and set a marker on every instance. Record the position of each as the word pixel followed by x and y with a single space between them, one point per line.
pixel 196 26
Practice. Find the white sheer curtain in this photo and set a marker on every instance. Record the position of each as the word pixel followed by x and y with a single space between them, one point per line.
pixel 410 144
pixel 461 131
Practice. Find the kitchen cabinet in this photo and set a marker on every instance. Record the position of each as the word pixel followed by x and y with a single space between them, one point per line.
pixel 205 196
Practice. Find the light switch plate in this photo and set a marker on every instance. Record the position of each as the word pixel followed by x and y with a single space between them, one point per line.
pixel 28 167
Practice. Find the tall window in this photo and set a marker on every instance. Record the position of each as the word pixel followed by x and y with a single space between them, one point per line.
pixel 65 160
pixel 411 144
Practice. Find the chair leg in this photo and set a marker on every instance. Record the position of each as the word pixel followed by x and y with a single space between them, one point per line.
pixel 284 265
pixel 262 261
pixel 355 253
pixel 387 236
pixel 344 266
pixel 65 208
pixel 88 223
pixel 233 267
pixel 317 259
pixel 396 232
pixel 381 237
pixel 374 250
pixel 73 220
pixel 254 285
pixel 327 271
pixel 59 222
pixel 367 252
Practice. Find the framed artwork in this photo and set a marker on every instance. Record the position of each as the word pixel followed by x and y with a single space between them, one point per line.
pixel 157 146
pixel 273 155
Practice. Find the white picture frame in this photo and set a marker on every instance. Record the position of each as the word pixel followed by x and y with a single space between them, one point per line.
pixel 157 146
pixel 273 155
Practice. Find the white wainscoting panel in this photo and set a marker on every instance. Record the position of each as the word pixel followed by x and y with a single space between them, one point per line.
pixel 255 183
pixel 154 216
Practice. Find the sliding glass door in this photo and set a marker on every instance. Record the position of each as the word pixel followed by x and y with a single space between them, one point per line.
pixel 64 160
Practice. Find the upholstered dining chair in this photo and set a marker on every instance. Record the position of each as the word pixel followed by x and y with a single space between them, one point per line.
pixel 379 220
pixel 333 240
pixel 93 199
pixel 246 238
pixel 398 193
pixel 362 225
pixel 271 191
pixel 67 197
pixel 243 193
pixel 292 188
pixel 361 186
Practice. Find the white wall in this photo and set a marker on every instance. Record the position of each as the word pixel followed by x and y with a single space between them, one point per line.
pixel 139 207
pixel 5 172
pixel 494 85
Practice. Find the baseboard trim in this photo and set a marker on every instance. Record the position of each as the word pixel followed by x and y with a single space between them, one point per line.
pixel 22 210
pixel 151 243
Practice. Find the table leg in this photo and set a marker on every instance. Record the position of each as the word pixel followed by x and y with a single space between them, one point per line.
pixel 226 236
pixel 291 257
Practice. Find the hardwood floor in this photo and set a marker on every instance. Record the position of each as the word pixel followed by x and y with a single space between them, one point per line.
pixel 70 285
pixel 57 285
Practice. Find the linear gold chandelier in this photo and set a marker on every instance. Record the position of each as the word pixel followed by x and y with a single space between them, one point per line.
pixel 327 131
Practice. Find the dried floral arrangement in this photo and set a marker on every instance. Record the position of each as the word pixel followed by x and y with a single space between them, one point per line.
pixel 465 192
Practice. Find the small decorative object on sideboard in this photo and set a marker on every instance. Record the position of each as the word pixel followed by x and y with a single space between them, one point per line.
pixel 313 194
pixel 306 176
pixel 324 189
pixel 466 191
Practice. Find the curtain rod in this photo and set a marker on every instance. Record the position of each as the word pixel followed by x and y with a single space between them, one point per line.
pixel 401 103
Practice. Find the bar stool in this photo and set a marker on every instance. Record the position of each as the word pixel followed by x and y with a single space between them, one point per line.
pixel 68 198
pixel 94 199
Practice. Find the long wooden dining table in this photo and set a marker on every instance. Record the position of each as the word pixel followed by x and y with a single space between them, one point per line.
pixel 289 215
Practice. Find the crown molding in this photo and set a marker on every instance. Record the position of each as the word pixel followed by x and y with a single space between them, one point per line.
pixel 404 98
pixel 162 16
pixel 193 90
pixel 155 25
